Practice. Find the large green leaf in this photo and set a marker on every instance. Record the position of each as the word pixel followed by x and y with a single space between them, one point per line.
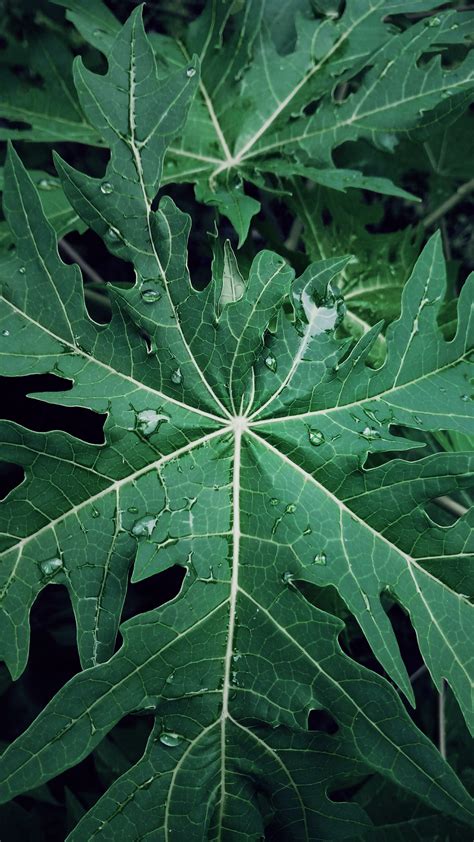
pixel 235 446
pixel 261 80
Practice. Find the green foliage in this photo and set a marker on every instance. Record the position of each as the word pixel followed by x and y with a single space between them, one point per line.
pixel 262 435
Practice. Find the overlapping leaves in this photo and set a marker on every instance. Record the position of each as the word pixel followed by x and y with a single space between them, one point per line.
pixel 236 440
pixel 266 101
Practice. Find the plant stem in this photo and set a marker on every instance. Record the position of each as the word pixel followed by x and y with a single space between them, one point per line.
pixel 85 266
pixel 451 506
pixel 462 191
pixel 419 672
pixel 441 720
pixel 294 235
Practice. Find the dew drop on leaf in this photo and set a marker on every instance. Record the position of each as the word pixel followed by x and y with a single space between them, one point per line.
pixel 133 510
pixel 274 501
pixel 465 398
pixel 320 558
pixel 149 420
pixel 144 526
pixel 95 512
pixel 271 362
pixel 22 270
pixel 369 433
pixel 5 333
pixel 316 437
pixel 106 187
pixel 433 21
pixel 176 376
pixel 307 531
pixel 190 72
pixel 51 566
pixel 171 739
pixel 290 508
pixel 48 184
pixel 170 678
pixel 150 295
pixel 113 235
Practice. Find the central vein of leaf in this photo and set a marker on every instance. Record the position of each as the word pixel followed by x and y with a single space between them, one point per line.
pixel 238 424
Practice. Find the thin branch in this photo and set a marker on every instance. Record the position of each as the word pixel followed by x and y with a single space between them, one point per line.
pixel 418 673
pixel 442 720
pixel 97 297
pixel 294 235
pixel 462 191
pixel 85 266
pixel 451 506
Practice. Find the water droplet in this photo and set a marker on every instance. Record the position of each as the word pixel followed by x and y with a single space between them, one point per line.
pixel 287 577
pixel 95 512
pixel 22 270
pixel 271 362
pixel 274 501
pixel 176 376
pixel 98 32
pixel 190 72
pixel 5 333
pixel 366 600
pixel 290 508
pixel 113 234
pixel 433 21
pixel 149 420
pixel 170 738
pixel 106 188
pixel 316 437
pixel 133 510
pixel 320 558
pixel 48 184
pixel 465 398
pixel 388 141
pixel 370 433
pixel 170 678
pixel 51 566
pixel 307 531
pixel 150 295
pixel 144 526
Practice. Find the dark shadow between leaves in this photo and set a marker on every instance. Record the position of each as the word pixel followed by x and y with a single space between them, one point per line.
pixel 40 416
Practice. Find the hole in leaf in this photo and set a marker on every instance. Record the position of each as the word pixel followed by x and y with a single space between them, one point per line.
pixel 53 632
pixel 311 108
pixel 41 416
pixel 321 720
pixel 11 476
pixel 346 793
pixel 14 125
pixel 152 592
